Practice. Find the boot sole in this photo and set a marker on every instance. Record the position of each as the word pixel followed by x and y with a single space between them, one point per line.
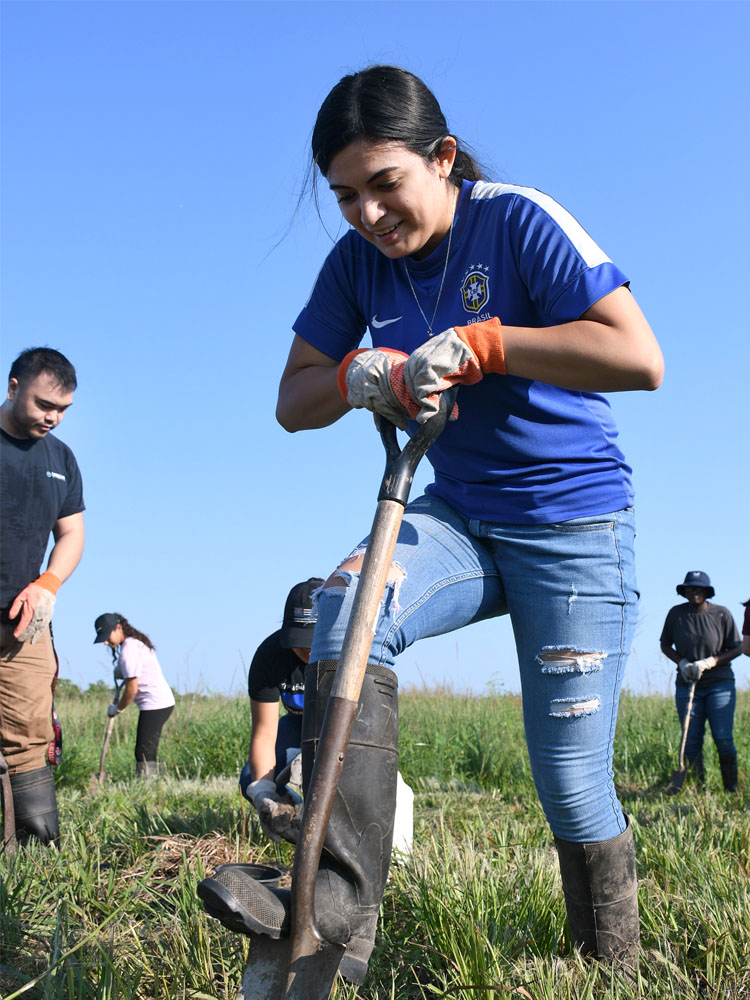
pixel 222 904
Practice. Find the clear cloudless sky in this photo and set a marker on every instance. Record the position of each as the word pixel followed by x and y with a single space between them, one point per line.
pixel 154 155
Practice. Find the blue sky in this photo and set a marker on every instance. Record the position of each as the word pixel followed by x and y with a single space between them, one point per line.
pixel 153 230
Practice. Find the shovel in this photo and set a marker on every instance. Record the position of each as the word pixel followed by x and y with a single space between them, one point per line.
pixel 303 966
pixel 678 778
pixel 100 777
pixel 9 816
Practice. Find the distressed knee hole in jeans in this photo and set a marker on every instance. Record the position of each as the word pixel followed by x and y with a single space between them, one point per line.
pixel 566 660
pixel 347 576
pixel 573 708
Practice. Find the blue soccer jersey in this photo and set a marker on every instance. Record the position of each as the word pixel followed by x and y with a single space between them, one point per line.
pixel 521 451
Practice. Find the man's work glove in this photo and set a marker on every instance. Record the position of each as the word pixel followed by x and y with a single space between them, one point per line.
pixel 36 602
pixel 366 380
pixel 459 355
pixel 280 813
pixel 112 710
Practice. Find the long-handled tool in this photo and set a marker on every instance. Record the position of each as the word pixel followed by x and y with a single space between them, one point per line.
pixel 9 815
pixel 304 965
pixel 100 777
pixel 678 778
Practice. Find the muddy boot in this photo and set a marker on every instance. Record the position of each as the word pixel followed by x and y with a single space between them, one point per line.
pixel 356 855
pixel 146 769
pixel 35 806
pixel 695 766
pixel 728 765
pixel 601 897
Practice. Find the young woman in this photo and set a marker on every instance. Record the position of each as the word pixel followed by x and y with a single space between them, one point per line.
pixel 702 639
pixel 496 288
pixel 137 666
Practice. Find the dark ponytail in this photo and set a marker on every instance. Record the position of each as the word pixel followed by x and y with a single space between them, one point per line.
pixel 386 104
pixel 130 633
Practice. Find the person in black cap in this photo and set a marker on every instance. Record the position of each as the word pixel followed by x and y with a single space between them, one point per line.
pixel 144 683
pixel 277 673
pixel 702 639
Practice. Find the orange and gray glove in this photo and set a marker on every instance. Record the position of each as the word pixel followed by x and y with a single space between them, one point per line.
pixel 369 379
pixel 36 602
pixel 460 355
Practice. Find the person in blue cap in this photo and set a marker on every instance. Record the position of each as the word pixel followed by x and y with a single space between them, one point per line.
pixel 702 639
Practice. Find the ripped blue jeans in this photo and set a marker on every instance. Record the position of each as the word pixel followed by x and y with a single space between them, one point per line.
pixel 569 588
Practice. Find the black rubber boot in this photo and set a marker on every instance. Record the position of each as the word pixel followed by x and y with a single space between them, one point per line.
pixel 695 766
pixel 601 897
pixel 356 855
pixel 35 805
pixel 728 765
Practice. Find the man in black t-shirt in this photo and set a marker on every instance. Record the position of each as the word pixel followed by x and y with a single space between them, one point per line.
pixel 702 639
pixel 277 673
pixel 40 493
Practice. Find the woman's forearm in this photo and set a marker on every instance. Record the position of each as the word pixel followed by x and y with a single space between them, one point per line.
pixel 309 397
pixel 611 348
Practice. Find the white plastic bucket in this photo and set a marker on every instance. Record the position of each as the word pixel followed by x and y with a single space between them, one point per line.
pixel 403 824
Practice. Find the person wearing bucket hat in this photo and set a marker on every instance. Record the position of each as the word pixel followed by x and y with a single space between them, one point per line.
pixel 702 639
pixel 136 665
pixel 277 674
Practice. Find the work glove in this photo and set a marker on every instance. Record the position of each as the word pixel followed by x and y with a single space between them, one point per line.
pixel 36 602
pixel 365 380
pixel 692 672
pixel 280 813
pixel 460 355
pixel 706 664
pixel 112 710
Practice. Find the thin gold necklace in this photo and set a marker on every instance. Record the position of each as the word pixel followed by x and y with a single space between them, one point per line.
pixel 430 331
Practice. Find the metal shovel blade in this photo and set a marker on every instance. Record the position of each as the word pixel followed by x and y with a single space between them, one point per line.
pixel 676 782
pixel 270 972
pixel 678 778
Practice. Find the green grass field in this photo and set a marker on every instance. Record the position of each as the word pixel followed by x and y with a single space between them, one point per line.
pixel 477 913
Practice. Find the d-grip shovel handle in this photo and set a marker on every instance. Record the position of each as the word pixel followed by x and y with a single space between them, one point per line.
pixel 347 684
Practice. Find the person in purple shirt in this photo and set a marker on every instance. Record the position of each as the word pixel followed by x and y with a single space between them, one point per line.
pixel 497 289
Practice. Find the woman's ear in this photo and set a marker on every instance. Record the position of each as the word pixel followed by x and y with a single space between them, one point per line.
pixel 446 156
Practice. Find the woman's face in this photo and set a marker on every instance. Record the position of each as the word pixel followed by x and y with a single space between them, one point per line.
pixel 394 198
pixel 116 636
pixel 696 596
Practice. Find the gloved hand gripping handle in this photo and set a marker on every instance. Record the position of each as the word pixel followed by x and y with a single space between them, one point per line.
pixel 402 464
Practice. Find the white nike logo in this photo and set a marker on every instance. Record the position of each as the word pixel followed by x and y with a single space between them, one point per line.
pixel 378 323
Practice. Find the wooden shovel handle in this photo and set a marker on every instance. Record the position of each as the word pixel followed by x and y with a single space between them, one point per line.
pixel 107 737
pixel 347 684
pixel 9 816
pixel 686 726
